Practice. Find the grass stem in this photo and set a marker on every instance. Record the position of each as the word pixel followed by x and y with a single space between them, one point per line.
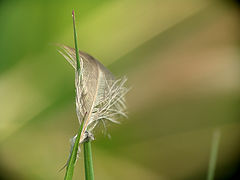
pixel 87 145
pixel 213 155
pixel 75 41
pixel 89 175
pixel 73 156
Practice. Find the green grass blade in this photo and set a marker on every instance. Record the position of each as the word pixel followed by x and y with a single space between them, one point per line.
pixel 213 156
pixel 73 156
pixel 75 41
pixel 89 175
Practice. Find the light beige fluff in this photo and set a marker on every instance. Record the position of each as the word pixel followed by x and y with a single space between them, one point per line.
pixel 99 95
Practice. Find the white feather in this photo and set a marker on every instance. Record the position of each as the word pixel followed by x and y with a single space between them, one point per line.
pixel 98 93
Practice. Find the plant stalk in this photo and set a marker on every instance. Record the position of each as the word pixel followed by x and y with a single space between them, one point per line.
pixel 75 42
pixel 88 163
pixel 213 155
pixel 73 156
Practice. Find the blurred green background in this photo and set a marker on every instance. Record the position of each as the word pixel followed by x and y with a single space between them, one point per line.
pixel 182 60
